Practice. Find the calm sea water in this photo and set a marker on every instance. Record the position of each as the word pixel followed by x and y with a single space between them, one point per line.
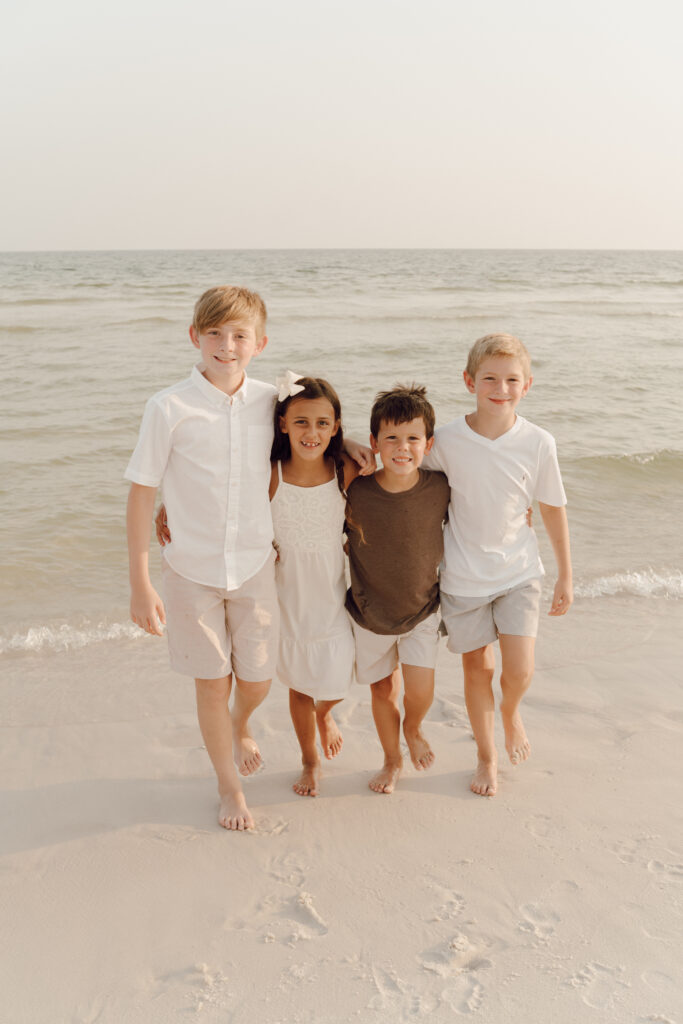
pixel 87 337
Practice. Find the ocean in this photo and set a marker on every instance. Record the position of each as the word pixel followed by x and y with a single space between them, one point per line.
pixel 87 337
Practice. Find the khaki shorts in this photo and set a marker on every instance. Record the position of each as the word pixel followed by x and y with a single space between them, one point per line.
pixel 474 622
pixel 377 654
pixel 213 632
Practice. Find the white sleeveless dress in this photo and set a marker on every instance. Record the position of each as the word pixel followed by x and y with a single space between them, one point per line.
pixel 316 653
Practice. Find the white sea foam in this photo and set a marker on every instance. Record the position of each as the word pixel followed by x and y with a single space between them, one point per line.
pixel 645 583
pixel 68 638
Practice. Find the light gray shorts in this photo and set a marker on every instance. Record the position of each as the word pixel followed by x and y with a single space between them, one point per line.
pixel 213 632
pixel 474 622
pixel 378 654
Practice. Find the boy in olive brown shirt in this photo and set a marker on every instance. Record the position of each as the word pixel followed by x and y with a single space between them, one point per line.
pixel 395 528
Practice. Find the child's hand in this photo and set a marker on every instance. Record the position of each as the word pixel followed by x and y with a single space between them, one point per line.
pixel 563 597
pixel 529 517
pixel 147 610
pixel 161 525
pixel 362 455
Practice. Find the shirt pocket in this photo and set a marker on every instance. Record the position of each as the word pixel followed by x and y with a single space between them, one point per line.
pixel 259 444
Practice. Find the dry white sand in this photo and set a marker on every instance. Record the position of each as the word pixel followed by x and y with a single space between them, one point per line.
pixel 556 901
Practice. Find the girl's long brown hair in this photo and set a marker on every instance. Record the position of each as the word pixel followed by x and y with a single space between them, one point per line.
pixel 313 387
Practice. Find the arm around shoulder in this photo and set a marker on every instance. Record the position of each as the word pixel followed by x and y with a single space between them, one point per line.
pixel 362 455
pixel 557 527
pixel 351 470
pixel 146 607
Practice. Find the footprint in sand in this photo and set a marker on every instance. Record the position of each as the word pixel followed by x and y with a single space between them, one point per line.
pixel 665 872
pixel 396 999
pixel 451 904
pixel 455 955
pixel 269 827
pixel 599 985
pixel 286 868
pixel 464 995
pixel 204 987
pixel 539 825
pixel 291 920
pixel 451 908
pixel 539 921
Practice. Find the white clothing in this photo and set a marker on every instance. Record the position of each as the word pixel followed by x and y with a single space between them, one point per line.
pixel 211 454
pixel 378 654
pixel 316 641
pixel 488 546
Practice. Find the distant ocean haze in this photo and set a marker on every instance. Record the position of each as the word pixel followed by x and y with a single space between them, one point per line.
pixel 88 337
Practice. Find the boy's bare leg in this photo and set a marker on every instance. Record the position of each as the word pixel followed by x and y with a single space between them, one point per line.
pixel 216 728
pixel 248 696
pixel 330 736
pixel 517 655
pixel 302 710
pixel 385 711
pixel 417 700
pixel 478 667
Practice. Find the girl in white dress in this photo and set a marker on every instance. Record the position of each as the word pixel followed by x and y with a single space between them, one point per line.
pixel 310 474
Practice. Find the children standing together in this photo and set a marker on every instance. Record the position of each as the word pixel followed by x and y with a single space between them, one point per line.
pixel 260 490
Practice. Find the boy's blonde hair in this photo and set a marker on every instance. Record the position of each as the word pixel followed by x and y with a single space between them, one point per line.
pixel 497 345
pixel 226 303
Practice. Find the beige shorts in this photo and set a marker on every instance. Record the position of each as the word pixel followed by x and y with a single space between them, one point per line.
pixel 213 632
pixel 377 654
pixel 474 622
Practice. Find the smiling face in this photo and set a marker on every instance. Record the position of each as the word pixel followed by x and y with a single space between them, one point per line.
pixel 310 424
pixel 499 385
pixel 401 447
pixel 227 350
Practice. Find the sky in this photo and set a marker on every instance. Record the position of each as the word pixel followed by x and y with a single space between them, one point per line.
pixel 322 124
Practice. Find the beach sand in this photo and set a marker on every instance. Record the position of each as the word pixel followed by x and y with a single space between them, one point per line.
pixel 557 900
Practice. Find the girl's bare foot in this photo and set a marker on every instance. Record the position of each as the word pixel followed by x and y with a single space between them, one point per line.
pixel 484 780
pixel 246 753
pixel 233 813
pixel 331 738
pixel 309 780
pixel 385 780
pixel 516 742
pixel 421 754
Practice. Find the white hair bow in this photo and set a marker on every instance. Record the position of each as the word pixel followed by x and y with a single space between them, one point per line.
pixel 287 386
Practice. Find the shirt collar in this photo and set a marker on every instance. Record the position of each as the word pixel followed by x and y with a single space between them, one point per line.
pixel 214 394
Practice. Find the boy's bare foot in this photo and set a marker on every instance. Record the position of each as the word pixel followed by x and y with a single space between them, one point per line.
pixel 421 754
pixel 385 780
pixel 516 742
pixel 485 779
pixel 246 753
pixel 233 813
pixel 331 738
pixel 309 780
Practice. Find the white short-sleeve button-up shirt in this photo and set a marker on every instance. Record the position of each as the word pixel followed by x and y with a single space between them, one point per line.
pixel 210 452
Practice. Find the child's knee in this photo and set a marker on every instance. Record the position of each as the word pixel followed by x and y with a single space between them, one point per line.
pixel 517 677
pixel 213 694
pixel 383 689
pixel 480 662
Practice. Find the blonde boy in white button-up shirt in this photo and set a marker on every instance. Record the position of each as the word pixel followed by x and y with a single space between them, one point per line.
pixel 207 441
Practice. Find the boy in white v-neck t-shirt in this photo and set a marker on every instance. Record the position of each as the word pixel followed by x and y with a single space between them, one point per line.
pixel 497 463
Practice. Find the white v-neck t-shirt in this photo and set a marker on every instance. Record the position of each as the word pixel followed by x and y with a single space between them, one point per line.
pixel 488 546
pixel 211 454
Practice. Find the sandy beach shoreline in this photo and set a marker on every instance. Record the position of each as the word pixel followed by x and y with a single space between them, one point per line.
pixel 558 899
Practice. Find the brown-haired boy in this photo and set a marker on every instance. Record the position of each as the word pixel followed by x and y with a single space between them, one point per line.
pixel 395 529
